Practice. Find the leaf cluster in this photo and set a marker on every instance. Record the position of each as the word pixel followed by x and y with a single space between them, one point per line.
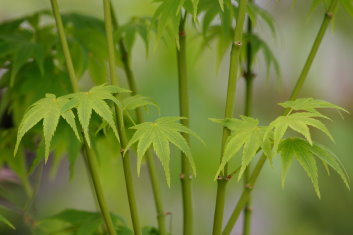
pixel 303 114
pixel 51 108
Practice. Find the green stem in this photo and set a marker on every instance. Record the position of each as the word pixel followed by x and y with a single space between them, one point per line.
pixel 244 197
pixel 64 45
pixel 140 119
pixel 327 19
pixel 249 77
pixel 230 101
pixel 120 120
pixel 93 169
pixel 186 171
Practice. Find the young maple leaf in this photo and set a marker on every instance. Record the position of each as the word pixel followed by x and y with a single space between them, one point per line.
pixel 48 109
pixel 159 134
pixel 299 122
pixel 310 105
pixel 305 153
pixel 246 134
pixel 94 100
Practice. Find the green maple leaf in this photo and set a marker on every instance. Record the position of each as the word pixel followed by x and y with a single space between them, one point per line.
pixel 310 105
pixel 246 134
pixel 298 122
pixel 305 154
pixel 159 134
pixel 48 109
pixel 94 100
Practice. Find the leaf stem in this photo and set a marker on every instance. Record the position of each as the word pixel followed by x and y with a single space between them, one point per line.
pixel 92 165
pixel 249 77
pixel 186 171
pixel 230 101
pixel 245 195
pixel 120 120
pixel 139 115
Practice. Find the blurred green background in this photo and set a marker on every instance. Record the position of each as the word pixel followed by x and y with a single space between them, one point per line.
pixel 290 211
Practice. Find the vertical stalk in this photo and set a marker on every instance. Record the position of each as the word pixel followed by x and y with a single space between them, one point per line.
pixel 140 119
pixel 93 169
pixel 186 171
pixel 246 191
pixel 120 120
pixel 230 101
pixel 91 163
pixel 249 77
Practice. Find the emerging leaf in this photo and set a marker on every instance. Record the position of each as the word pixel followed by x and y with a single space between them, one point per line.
pixel 246 134
pixel 305 152
pixel 48 109
pixel 159 134
pixel 94 100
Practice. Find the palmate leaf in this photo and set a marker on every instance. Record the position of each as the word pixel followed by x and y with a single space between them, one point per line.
pixel 94 100
pixel 298 122
pixel 256 12
pixel 137 26
pixel 310 105
pixel 48 109
pixel 138 101
pixel 246 134
pixel 167 16
pixel 158 135
pixel 259 45
pixel 305 154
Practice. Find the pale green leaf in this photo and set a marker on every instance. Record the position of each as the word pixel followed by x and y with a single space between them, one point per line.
pixel 298 148
pixel 48 109
pixel 159 135
pixel 246 133
pixel 94 100
pixel 310 105
pixel 331 160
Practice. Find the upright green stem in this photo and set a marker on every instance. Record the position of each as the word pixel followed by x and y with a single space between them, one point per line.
pixel 140 119
pixel 245 195
pixel 120 120
pixel 64 45
pixel 93 169
pixel 92 165
pixel 186 171
pixel 230 101
pixel 249 77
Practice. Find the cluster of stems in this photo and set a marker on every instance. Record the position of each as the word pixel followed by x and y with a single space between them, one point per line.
pixel 88 153
pixel 250 178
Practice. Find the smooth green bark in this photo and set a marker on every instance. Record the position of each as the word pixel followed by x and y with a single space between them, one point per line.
pixel 186 171
pixel 230 101
pixel 120 120
pixel 249 77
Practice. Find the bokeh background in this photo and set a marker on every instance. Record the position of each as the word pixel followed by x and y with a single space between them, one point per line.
pixel 290 211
